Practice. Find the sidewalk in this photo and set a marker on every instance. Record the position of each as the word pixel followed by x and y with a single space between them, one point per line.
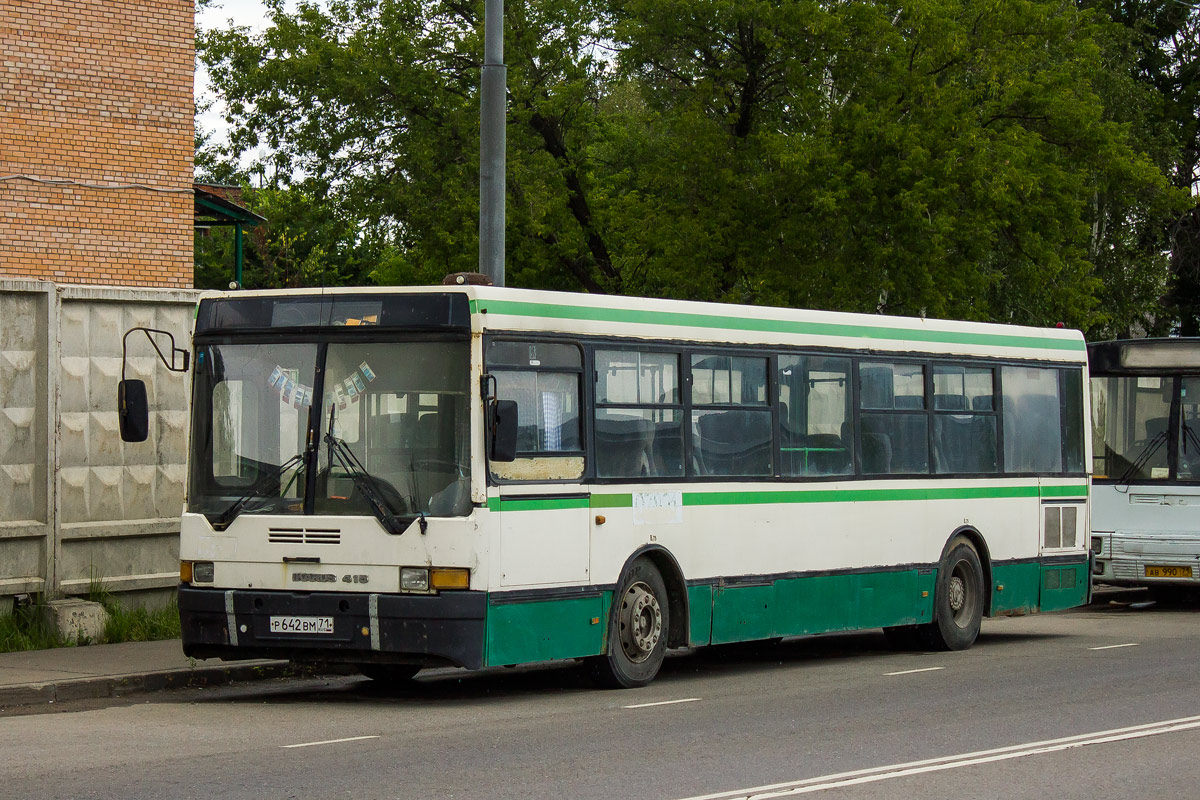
pixel 113 670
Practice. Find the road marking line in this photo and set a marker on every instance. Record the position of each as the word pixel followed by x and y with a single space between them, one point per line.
pixel 328 741
pixel 664 703
pixel 913 671
pixel 876 774
pixel 1114 646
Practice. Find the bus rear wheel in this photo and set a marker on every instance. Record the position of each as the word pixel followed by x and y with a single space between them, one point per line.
pixel 958 601
pixel 637 630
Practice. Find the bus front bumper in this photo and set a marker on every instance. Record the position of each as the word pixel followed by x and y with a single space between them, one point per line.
pixel 355 628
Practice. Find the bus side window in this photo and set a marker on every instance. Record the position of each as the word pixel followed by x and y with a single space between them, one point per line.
pixel 544 380
pixel 731 420
pixel 964 422
pixel 639 422
pixel 1032 419
pixel 894 422
pixel 814 410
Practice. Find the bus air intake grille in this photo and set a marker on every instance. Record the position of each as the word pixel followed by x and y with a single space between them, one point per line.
pixel 304 536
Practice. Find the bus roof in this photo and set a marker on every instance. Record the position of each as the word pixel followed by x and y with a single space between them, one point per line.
pixel 525 310
pixel 1144 356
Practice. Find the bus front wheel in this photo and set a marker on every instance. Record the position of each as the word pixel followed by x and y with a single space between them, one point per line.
pixel 637 630
pixel 958 600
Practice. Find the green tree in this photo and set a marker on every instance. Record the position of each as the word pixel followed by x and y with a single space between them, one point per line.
pixel 1159 76
pixel 932 159
pixel 942 159
pixel 376 103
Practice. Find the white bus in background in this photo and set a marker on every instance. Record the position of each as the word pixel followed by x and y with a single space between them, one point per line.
pixel 477 476
pixel 1146 463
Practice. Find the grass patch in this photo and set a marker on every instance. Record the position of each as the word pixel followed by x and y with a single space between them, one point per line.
pixel 134 624
pixel 26 629
pixel 140 625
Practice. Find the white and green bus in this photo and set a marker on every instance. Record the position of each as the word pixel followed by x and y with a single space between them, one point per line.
pixel 477 476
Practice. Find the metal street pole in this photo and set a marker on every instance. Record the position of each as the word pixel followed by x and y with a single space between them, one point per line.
pixel 492 144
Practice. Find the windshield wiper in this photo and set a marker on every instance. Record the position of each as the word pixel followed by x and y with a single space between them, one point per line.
pixel 258 489
pixel 1189 435
pixel 363 480
pixel 1143 458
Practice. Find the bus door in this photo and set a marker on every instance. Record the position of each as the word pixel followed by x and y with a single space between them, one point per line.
pixel 545 530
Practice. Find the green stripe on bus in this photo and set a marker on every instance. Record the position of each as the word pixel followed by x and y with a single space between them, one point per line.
pixel 535 504
pixel 1080 490
pixel 612 501
pixel 625 500
pixel 856 495
pixel 685 319
pixel 849 495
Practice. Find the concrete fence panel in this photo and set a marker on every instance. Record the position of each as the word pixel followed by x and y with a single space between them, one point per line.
pixel 87 508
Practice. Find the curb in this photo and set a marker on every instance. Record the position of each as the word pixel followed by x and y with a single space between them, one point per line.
pixel 137 683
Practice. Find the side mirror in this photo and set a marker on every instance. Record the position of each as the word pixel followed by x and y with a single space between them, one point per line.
pixel 133 410
pixel 504 430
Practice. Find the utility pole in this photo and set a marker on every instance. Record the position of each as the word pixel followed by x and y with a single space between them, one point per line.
pixel 493 99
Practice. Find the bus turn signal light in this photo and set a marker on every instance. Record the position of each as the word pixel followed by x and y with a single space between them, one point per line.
pixel 449 578
pixel 185 572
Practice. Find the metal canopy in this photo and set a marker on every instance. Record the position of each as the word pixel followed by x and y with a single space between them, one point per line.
pixel 212 210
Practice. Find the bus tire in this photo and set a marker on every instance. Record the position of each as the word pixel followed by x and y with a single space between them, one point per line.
pixel 637 630
pixel 958 600
pixel 904 637
pixel 389 673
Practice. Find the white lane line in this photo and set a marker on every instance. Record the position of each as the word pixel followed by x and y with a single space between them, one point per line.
pixel 914 671
pixel 664 703
pixel 876 774
pixel 328 741
pixel 1114 646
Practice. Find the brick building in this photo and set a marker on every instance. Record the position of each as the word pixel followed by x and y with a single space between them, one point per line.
pixel 96 141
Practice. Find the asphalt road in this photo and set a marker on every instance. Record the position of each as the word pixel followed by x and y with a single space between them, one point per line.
pixel 1098 702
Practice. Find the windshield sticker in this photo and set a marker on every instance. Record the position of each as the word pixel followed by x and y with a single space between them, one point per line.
pixel 276 376
pixel 288 389
pixel 351 390
pixel 358 383
pixel 367 372
pixel 340 394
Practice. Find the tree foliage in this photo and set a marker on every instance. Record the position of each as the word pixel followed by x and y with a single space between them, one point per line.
pixel 979 159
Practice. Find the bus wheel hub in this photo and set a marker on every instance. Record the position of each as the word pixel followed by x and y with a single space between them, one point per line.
pixel 958 594
pixel 640 622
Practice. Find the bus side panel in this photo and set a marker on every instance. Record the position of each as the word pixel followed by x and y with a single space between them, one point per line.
pixel 700 615
pixel 816 604
pixel 545 630
pixel 1064 586
pixel 1015 588
pixel 742 613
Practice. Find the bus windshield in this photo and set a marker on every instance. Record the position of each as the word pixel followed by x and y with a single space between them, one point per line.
pixel 400 421
pixel 1130 415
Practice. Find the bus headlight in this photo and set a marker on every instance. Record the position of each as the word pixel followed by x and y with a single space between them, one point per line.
pixel 432 579
pixel 203 572
pixel 414 579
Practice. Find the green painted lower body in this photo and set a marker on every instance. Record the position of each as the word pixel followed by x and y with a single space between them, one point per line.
pixel 546 630
pixel 819 604
pixel 1029 587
